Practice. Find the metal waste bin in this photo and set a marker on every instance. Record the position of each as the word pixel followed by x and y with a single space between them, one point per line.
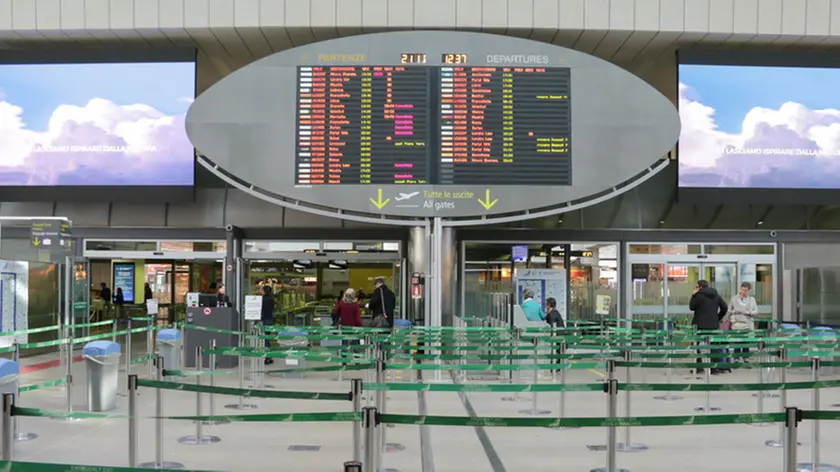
pixel 169 347
pixel 293 363
pixel 102 359
pixel 9 376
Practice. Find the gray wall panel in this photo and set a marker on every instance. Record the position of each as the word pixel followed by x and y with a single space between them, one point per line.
pixel 26 209
pixel 207 210
pixel 246 211
pixel 85 214
pixel 299 219
pixel 802 256
pixel 126 214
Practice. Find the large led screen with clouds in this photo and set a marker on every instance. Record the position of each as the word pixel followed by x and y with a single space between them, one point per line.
pixel 759 127
pixel 96 124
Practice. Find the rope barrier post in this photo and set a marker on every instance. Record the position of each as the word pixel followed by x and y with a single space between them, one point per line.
pixel 150 347
pixel 199 438
pixel 611 389
pixel 128 349
pixel 761 394
pixel 20 437
pixel 114 328
pixel 669 396
pixel 381 404
pixel 68 335
pixel 782 402
pixel 370 423
pixel 159 463
pixel 240 364
pixel 8 426
pixel 815 465
pixel 353 466
pixel 628 446
pixel 561 408
pixel 534 411
pixel 356 398
pixel 132 420
pixel 343 352
pixel 212 360
pixel 792 418
pixel 707 406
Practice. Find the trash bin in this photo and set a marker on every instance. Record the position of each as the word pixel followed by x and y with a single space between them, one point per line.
pixel 290 344
pixel 102 359
pixel 169 347
pixel 9 376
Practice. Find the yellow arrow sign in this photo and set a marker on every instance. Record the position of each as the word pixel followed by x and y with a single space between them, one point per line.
pixel 487 203
pixel 36 242
pixel 379 203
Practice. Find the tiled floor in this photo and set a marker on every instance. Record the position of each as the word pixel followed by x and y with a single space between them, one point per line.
pixel 255 447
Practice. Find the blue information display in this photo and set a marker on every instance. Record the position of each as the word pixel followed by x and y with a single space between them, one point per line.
pixel 124 279
pixel 519 253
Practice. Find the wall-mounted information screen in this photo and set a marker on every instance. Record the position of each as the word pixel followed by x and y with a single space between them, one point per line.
pixel 433 125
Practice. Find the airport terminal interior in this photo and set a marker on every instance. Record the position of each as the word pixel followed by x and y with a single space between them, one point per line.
pixel 419 235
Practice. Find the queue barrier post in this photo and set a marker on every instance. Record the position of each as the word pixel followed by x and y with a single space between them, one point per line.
pixel 353 466
pixel 159 463
pixel 792 419
pixel 356 388
pixel 212 360
pixel 20 437
pixel 7 426
pixel 114 328
pixel 534 410
pixel 150 346
pixel 561 408
pixel 707 404
pixel 611 389
pixel 199 438
pixel 627 445
pixel 68 355
pixel 240 364
pixel 128 349
pixel 782 402
pixel 132 420
pixel 370 423
pixel 761 394
pixel 815 465
pixel 669 396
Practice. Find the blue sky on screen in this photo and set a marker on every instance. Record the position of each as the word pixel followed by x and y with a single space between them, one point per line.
pixel 96 124
pixel 734 90
pixel 759 127
pixel 41 88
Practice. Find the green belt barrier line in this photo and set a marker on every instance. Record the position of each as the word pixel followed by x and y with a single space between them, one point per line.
pixel 729 387
pixel 342 416
pixel 500 367
pixel 6 350
pixel 141 318
pixel 56 342
pixel 699 420
pixel 278 355
pixel 501 388
pixel 329 368
pixel 195 373
pixel 51 383
pixel 31 331
pixel 820 415
pixel 37 412
pixel 45 467
pixel 95 324
pixel 141 359
pixel 244 392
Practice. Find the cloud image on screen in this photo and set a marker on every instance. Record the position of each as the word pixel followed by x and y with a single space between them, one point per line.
pixel 96 124
pixel 759 127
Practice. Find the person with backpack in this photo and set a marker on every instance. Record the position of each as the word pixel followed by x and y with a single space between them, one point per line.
pixel 382 305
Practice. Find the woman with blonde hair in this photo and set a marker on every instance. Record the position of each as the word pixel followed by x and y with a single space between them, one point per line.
pixel 347 311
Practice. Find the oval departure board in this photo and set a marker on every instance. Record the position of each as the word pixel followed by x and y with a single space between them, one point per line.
pixel 433 123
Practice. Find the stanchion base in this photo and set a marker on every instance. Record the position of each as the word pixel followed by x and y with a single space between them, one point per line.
pixel 604 469
pixel 215 423
pixel 23 437
pixel 767 394
pixel 668 397
pixel 631 447
pixel 762 425
pixel 393 447
pixel 244 406
pixel 516 399
pixel 836 405
pixel 703 408
pixel 806 467
pixel 776 443
pixel 198 440
pixel 67 420
pixel 564 428
pixel 161 465
pixel 535 412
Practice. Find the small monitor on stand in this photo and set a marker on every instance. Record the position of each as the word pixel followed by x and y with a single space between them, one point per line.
pixel 208 300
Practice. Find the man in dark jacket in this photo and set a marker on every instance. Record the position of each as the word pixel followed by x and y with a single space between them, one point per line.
pixel 267 314
pixel 383 301
pixel 709 308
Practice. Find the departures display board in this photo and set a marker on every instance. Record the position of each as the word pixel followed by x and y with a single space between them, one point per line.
pixel 416 124
pixel 432 124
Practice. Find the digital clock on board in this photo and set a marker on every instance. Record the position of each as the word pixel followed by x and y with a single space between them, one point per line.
pixel 453 58
pixel 412 58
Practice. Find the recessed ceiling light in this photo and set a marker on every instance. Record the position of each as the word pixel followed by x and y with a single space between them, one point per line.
pixel 760 223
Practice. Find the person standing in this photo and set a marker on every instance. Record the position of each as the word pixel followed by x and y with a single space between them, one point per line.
pixel 709 308
pixel 105 295
pixel 532 310
pixel 553 318
pixel 742 309
pixel 267 314
pixel 382 305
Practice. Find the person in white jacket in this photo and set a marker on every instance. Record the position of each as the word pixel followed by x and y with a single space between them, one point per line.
pixel 742 309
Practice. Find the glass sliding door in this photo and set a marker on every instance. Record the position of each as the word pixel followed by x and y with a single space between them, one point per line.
pixel 681 279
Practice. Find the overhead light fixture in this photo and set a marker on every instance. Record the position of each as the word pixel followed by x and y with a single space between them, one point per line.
pixel 662 222
pixel 760 223
pixel 560 220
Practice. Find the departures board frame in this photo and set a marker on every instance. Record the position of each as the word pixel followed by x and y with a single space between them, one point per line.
pixel 247 125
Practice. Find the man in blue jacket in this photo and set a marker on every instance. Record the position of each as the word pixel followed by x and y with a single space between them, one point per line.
pixel 533 311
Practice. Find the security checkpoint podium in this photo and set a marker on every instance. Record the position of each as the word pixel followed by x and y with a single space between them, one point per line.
pixel 220 317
